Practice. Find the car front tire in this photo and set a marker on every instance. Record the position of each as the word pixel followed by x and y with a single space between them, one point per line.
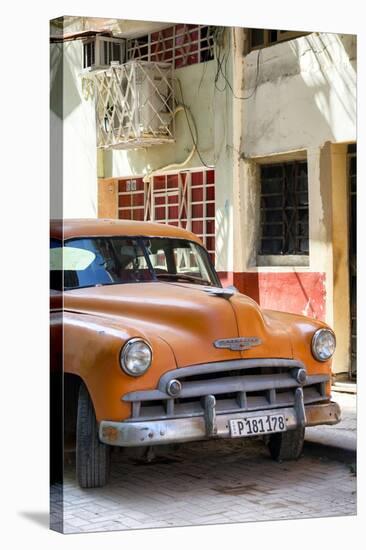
pixel 287 445
pixel 92 456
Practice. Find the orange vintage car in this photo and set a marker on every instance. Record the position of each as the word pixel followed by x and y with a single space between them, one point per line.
pixel 156 352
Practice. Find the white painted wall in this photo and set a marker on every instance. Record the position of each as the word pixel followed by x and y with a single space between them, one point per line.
pixel 228 138
pixel 306 94
pixel 68 107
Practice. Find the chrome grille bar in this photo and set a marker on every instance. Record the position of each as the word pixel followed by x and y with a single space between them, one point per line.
pixel 249 383
pixel 236 390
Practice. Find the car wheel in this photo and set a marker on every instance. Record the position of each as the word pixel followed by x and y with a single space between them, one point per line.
pixel 286 445
pixel 92 456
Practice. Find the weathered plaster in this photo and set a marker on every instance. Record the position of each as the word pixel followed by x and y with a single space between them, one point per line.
pixel 305 96
pixel 77 117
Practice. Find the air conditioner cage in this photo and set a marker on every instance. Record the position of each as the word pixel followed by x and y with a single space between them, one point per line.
pixel 134 104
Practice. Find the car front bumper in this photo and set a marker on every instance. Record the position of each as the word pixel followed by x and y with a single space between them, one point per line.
pixel 178 430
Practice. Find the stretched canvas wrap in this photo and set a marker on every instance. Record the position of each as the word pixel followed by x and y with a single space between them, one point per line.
pixel 202 274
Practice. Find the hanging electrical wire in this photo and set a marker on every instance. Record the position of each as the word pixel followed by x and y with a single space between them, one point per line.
pixel 194 137
pixel 222 59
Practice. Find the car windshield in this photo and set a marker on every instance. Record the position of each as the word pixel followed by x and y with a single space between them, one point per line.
pixel 99 261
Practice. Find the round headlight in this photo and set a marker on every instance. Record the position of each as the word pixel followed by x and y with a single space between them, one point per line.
pixel 136 356
pixel 323 344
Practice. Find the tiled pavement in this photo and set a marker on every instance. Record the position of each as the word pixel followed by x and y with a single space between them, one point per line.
pixel 217 482
pixel 341 435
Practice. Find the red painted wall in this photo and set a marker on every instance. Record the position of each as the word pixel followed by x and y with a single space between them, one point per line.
pixel 302 293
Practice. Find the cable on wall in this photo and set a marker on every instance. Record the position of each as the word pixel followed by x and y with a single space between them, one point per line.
pixel 174 166
pixel 222 59
pixel 194 138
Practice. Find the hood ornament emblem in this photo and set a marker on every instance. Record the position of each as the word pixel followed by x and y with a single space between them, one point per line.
pixel 237 344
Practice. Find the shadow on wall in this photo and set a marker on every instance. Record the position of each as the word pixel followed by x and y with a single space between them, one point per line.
pixel 65 62
pixel 305 96
pixel 333 78
pixel 224 242
pixel 56 79
pixel 73 119
pixel 139 161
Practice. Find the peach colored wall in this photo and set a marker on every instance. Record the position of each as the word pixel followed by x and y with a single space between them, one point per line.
pixel 302 293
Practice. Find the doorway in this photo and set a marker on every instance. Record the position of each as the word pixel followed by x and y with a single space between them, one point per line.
pixel 352 189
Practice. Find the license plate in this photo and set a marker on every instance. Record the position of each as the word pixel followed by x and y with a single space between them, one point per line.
pixel 257 425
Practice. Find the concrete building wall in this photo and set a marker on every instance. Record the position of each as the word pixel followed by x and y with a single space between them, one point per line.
pixel 303 102
pixel 225 144
pixel 75 117
pixel 305 94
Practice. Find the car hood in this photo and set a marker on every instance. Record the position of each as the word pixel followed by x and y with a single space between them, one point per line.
pixel 187 317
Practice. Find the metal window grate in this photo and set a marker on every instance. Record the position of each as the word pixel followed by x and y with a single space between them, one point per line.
pixel 184 199
pixel 284 215
pixel 180 45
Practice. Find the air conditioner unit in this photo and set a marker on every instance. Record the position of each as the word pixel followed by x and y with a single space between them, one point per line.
pixel 153 92
pixel 149 97
pixel 100 51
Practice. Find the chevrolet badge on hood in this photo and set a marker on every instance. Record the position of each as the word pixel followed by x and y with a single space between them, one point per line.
pixel 238 344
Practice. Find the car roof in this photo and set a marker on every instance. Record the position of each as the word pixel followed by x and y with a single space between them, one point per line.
pixel 97 227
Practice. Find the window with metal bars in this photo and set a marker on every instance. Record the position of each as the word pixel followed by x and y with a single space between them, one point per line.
pixel 180 45
pixel 284 211
pixel 262 38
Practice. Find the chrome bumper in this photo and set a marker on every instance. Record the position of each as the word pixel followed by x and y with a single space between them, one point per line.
pixel 179 430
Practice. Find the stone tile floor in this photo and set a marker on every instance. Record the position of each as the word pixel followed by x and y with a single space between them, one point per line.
pixel 214 482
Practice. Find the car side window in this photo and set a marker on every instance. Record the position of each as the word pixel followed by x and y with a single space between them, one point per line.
pixel 100 270
pixel 94 261
pixel 55 274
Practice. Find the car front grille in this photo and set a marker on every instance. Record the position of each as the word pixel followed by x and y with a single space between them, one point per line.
pixel 238 386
